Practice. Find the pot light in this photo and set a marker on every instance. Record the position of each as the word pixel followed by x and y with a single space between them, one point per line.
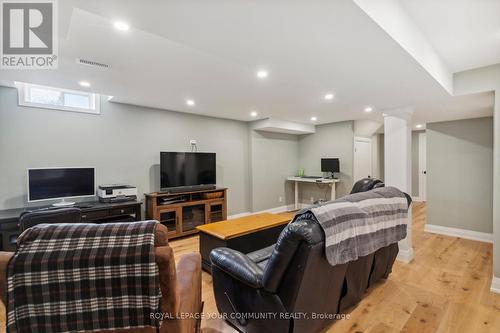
pixel 314 118
pixel 254 113
pixel 190 102
pixel 419 126
pixel 368 109
pixel 262 74
pixel 84 84
pixel 122 26
pixel 329 97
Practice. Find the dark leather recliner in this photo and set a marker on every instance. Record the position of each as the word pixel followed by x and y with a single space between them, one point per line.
pixel 292 277
pixel 62 215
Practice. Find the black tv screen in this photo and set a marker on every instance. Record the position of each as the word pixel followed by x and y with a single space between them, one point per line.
pixel 179 169
pixel 58 183
pixel 330 165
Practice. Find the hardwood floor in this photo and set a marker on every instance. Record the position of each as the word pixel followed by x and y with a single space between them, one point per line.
pixel 445 289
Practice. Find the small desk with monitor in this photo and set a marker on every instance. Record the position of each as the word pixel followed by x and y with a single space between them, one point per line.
pixel 330 181
pixel 329 166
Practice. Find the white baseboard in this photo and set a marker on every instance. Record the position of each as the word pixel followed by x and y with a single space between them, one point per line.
pixel 462 233
pixel 495 285
pixel 235 216
pixel 274 210
pixel 418 199
pixel 405 256
pixel 301 206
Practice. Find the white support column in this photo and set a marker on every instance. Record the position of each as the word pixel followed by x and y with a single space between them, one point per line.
pixel 495 283
pixel 397 144
pixel 296 195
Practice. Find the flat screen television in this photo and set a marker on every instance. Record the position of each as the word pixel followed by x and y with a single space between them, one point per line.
pixel 330 165
pixel 60 183
pixel 187 171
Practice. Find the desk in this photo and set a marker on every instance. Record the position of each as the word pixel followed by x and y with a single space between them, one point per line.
pixel 92 212
pixel 331 182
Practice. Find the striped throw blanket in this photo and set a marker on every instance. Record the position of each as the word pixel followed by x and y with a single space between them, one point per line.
pixel 359 224
pixel 83 277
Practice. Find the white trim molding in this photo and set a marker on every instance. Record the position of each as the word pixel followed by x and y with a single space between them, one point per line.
pixel 405 256
pixel 235 216
pixel 462 233
pixel 495 285
pixel 274 210
pixel 25 98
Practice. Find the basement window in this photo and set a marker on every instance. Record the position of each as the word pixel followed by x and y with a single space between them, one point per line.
pixel 38 96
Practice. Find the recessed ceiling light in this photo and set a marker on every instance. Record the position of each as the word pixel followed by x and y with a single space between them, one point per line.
pixel 314 118
pixel 190 102
pixel 262 74
pixel 122 26
pixel 253 113
pixel 419 126
pixel 84 84
pixel 329 97
pixel 368 109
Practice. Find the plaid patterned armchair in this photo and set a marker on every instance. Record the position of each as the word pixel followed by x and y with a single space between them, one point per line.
pixel 180 286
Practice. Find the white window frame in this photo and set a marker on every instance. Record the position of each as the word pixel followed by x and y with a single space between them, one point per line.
pixel 23 94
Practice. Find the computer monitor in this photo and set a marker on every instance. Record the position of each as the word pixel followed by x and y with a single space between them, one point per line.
pixel 60 183
pixel 330 165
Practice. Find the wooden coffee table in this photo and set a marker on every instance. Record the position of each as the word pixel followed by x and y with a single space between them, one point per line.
pixel 245 234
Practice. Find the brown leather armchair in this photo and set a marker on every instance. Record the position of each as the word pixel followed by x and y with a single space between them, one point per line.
pixel 180 286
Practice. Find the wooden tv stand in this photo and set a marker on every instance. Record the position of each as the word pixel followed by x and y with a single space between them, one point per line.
pixel 182 212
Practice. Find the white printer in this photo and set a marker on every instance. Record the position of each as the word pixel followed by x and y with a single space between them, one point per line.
pixel 116 193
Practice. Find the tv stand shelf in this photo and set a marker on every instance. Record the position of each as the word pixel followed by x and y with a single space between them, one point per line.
pixel 182 212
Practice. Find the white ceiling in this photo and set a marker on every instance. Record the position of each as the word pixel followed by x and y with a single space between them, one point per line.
pixel 209 51
pixel 465 33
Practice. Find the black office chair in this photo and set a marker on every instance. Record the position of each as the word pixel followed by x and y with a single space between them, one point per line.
pixel 63 215
pixel 366 184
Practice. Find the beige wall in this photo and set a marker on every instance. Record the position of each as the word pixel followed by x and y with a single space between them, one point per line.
pixel 275 156
pixel 476 81
pixel 123 144
pixel 460 173
pixel 330 140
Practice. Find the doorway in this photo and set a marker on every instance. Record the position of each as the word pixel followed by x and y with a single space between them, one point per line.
pixel 362 158
pixel 422 167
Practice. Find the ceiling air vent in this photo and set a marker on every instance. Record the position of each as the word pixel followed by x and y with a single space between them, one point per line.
pixel 91 63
